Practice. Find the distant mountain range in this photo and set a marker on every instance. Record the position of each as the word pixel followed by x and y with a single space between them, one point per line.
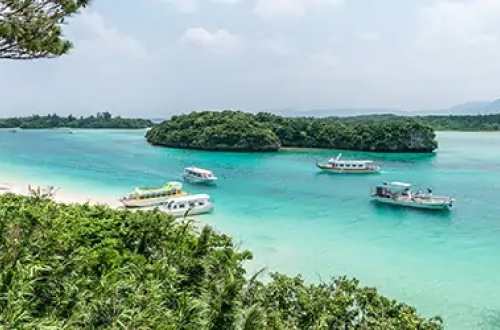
pixel 475 108
pixel 469 108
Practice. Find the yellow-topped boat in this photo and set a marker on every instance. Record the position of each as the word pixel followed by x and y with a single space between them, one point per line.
pixel 151 196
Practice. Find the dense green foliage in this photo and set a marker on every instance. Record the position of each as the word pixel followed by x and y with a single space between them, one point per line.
pixel 234 130
pixel 226 130
pixel 101 120
pixel 31 29
pixel 86 267
pixel 490 122
pixel 463 123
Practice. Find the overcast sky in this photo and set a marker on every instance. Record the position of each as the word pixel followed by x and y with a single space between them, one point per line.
pixel 158 57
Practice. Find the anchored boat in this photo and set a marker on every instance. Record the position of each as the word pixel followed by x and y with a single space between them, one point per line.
pixel 199 175
pixel 188 205
pixel 339 165
pixel 150 197
pixel 400 193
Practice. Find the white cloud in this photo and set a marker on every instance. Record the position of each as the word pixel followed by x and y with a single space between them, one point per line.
pixel 219 41
pixel 297 8
pixel 94 37
pixel 324 60
pixel 191 6
pixel 184 6
pixel 458 23
pixel 368 36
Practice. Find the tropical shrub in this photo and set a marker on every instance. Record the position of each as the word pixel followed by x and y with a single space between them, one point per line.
pixel 91 267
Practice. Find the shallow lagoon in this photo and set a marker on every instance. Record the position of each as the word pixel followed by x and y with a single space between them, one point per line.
pixel 298 220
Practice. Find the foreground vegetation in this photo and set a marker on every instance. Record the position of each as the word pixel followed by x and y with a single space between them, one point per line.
pixel 234 130
pixel 101 120
pixel 80 266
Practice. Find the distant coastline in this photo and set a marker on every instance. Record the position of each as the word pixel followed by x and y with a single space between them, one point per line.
pixel 102 120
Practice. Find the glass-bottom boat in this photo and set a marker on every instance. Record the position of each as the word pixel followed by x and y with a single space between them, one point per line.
pixel 151 197
pixel 400 193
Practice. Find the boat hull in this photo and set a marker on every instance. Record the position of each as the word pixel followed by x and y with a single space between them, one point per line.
pixel 197 180
pixel 437 206
pixel 328 168
pixel 198 210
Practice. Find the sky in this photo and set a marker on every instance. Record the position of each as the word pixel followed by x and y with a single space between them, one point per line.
pixel 154 58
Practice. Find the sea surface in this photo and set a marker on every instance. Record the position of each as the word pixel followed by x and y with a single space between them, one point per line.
pixel 296 219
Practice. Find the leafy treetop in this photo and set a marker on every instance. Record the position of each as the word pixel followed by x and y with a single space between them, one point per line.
pixel 31 29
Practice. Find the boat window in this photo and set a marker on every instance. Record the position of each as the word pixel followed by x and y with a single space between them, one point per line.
pixel 192 204
pixel 201 203
pixel 182 206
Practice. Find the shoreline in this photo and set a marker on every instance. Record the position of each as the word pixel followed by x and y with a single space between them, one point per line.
pixel 62 195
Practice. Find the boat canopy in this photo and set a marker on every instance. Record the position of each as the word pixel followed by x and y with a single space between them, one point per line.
pixel 396 187
pixel 198 170
pixel 397 184
pixel 339 160
pixel 170 186
pixel 356 162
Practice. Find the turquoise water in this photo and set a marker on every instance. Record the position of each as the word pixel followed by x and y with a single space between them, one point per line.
pixel 297 220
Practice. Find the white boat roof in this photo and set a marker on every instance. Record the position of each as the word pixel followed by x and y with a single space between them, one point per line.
pixel 198 170
pixel 339 160
pixel 399 184
pixel 190 198
pixel 333 160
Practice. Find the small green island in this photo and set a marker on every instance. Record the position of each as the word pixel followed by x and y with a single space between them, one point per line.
pixel 240 131
pixel 99 121
pixel 92 267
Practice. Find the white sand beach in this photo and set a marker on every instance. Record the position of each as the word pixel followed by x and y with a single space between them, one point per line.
pixel 62 195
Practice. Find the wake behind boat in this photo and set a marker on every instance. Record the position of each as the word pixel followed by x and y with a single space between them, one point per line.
pixel 199 175
pixel 400 193
pixel 338 165
pixel 151 196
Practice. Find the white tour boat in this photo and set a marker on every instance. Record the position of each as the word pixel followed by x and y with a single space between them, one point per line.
pixel 339 165
pixel 400 193
pixel 188 205
pixel 150 197
pixel 199 175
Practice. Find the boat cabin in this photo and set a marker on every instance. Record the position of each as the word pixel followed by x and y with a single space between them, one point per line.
pixel 393 189
pixel 198 173
pixel 187 203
